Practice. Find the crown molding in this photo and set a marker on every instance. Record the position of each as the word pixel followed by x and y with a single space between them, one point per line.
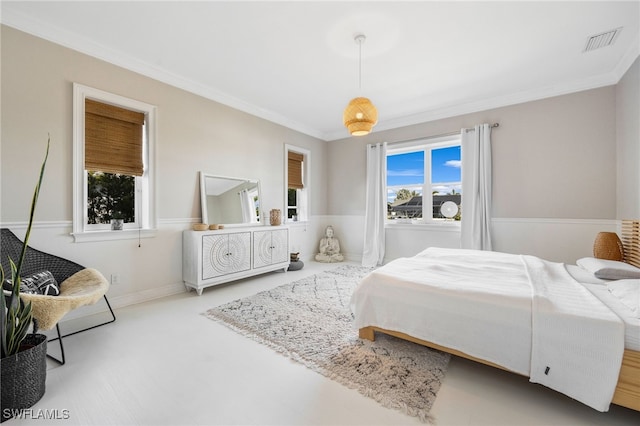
pixel 72 41
pixel 628 59
pixel 602 80
pixel 83 45
pixel 478 105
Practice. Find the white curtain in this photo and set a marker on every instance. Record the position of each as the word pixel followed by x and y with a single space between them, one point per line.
pixel 476 188
pixel 303 204
pixel 248 208
pixel 376 205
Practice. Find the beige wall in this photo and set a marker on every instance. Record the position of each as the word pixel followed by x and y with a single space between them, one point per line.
pixel 554 177
pixel 554 161
pixel 193 134
pixel 553 158
pixel 628 147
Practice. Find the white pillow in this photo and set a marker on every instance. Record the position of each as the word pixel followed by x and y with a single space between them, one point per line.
pixel 608 269
pixel 628 291
pixel 583 276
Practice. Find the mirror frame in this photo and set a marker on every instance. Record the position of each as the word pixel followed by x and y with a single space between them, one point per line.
pixel 203 199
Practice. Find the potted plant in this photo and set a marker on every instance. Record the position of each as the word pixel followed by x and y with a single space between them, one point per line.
pixel 23 365
pixel 117 221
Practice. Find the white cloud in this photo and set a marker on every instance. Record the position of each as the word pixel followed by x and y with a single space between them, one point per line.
pixel 448 188
pixel 406 172
pixel 453 163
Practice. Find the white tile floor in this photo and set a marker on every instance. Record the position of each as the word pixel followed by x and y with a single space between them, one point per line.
pixel 162 363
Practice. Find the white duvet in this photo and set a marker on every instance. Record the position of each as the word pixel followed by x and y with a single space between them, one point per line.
pixel 520 312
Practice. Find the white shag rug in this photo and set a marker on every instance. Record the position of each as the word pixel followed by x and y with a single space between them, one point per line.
pixel 309 320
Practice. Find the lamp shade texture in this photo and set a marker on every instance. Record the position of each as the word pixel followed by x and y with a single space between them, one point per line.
pixel 360 116
pixel 608 246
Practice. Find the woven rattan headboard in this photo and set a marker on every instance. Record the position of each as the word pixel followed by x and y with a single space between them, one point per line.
pixel 631 241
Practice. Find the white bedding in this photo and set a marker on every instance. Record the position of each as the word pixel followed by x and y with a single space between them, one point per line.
pixel 433 297
pixel 599 289
pixel 631 324
pixel 480 303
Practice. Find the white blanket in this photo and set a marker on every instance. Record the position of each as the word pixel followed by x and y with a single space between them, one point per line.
pixel 577 342
pixel 480 303
pixel 466 300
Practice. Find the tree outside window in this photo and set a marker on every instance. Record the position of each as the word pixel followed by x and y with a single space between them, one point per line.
pixel 110 196
pixel 421 177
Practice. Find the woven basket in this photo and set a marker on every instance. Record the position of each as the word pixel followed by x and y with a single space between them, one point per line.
pixel 608 246
pixel 274 217
pixel 23 376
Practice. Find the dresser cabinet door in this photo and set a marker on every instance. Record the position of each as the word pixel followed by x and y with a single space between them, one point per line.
pixel 270 247
pixel 225 254
pixel 280 246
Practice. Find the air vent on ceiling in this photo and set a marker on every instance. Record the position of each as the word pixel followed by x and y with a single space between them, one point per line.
pixel 602 40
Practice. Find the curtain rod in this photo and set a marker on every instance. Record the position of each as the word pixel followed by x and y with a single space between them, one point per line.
pixel 442 135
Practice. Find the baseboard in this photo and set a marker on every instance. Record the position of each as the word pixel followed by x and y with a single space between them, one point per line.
pixel 147 295
pixel 125 300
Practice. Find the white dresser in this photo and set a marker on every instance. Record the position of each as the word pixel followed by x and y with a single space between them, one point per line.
pixel 215 257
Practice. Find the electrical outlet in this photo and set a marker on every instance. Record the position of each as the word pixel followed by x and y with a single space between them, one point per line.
pixel 115 279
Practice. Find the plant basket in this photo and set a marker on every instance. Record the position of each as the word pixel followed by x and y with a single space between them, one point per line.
pixel 24 375
pixel 608 246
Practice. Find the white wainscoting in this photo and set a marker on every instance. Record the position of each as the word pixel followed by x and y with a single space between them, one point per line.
pixel 404 240
pixel 149 268
pixel 558 240
pixel 154 269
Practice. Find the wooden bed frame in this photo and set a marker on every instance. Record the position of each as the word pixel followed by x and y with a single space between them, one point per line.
pixel 627 390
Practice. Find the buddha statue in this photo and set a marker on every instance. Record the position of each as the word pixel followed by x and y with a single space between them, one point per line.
pixel 329 248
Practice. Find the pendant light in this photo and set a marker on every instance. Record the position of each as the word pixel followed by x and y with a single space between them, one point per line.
pixel 360 115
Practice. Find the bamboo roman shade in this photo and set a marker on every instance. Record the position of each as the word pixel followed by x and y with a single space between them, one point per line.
pixel 295 170
pixel 112 139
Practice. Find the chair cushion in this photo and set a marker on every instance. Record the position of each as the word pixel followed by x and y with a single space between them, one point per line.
pixel 42 282
pixel 85 287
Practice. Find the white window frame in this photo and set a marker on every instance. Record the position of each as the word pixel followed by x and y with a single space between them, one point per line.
pixel 306 181
pixel 426 145
pixel 146 220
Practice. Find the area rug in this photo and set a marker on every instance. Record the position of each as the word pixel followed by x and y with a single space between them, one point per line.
pixel 309 320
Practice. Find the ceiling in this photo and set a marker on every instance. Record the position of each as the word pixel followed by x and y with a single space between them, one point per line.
pixel 296 63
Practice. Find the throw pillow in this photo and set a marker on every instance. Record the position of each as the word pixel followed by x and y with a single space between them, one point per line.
pixel 39 283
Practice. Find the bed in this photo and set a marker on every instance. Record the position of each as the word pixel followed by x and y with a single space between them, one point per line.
pixel 558 324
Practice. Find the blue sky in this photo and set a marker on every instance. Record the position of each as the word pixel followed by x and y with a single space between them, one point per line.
pixel 408 169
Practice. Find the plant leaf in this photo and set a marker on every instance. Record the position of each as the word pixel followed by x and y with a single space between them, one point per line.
pixel 16 315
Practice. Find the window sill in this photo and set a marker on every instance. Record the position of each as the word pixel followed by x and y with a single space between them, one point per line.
pixel 108 235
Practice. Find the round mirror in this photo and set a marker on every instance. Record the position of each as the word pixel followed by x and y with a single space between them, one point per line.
pixel 449 209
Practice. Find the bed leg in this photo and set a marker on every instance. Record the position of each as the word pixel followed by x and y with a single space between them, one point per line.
pixel 367 333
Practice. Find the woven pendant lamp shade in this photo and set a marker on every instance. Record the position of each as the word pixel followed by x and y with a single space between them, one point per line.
pixel 360 116
pixel 608 246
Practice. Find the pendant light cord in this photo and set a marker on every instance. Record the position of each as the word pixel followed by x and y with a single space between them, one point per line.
pixel 360 64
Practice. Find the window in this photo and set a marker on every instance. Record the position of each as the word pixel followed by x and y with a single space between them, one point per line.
pixel 421 176
pixel 297 162
pixel 113 173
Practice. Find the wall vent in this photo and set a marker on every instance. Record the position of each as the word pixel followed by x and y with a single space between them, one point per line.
pixel 602 40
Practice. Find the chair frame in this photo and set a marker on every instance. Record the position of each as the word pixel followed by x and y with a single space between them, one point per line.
pixel 35 261
pixel 62 359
